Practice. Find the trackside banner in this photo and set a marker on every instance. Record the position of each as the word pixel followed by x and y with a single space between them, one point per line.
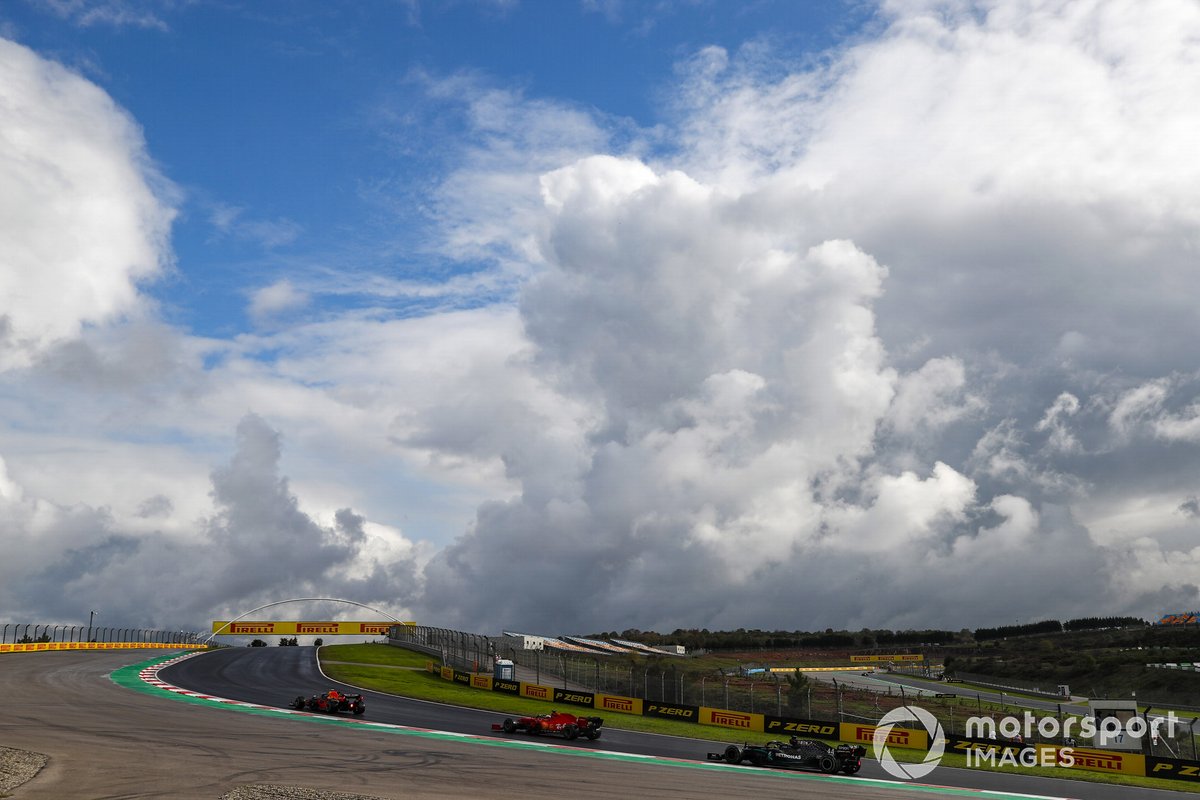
pixel 671 711
pixel 37 647
pixel 741 720
pixel 803 728
pixel 536 691
pixel 621 705
pixel 883 659
pixel 275 628
pixel 575 698
pixel 1110 761
pixel 898 737
pixel 1172 768
pixel 986 747
pixel 1092 760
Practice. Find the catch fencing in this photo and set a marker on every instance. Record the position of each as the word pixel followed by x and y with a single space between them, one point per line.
pixel 46 633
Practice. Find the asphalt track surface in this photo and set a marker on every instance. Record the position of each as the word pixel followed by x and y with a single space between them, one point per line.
pixel 108 739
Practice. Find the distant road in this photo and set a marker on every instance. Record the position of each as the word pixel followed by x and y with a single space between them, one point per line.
pixel 921 687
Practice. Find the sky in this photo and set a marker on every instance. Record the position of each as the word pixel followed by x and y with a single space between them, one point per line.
pixel 567 317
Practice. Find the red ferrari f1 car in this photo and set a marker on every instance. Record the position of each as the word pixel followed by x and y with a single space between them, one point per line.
pixel 331 702
pixel 556 723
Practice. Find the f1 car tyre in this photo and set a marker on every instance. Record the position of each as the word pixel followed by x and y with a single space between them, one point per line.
pixel 358 710
pixel 827 764
pixel 571 732
pixel 593 735
pixel 509 726
pixel 852 768
pixel 732 754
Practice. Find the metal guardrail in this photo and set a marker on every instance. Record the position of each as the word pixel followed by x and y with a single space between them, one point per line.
pixel 33 633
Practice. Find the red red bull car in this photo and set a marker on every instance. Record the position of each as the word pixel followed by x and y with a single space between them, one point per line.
pixel 331 702
pixel 556 723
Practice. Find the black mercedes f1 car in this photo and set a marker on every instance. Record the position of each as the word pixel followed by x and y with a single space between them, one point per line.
pixel 796 754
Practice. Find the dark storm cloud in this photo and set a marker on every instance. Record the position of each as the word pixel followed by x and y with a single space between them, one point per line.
pixel 258 547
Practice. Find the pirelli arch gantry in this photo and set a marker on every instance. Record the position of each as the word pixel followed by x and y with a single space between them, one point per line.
pixel 240 626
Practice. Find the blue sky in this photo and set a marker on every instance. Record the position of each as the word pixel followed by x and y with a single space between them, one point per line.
pixel 313 122
pixel 707 312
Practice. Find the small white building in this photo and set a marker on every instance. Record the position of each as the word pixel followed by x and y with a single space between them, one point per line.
pixel 524 641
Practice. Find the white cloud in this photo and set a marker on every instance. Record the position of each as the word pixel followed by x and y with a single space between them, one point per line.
pixel 117 13
pixel 1055 421
pixel 232 221
pixel 80 206
pixel 1137 403
pixel 931 397
pixel 278 298
pixel 1000 189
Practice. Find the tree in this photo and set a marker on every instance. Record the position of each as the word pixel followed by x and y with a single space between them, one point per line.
pixel 797 691
pixel 257 643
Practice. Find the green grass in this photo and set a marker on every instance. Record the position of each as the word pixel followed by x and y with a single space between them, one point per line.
pixel 429 686
pixel 956 760
pixel 375 654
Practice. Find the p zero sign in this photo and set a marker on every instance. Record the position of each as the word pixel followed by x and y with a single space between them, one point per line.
pixel 803 728
pixel 575 698
pixel 671 711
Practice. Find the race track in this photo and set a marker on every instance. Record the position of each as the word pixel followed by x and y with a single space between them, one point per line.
pixel 106 741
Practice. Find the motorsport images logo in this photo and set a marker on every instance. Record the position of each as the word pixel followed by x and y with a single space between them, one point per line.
pixel 937 743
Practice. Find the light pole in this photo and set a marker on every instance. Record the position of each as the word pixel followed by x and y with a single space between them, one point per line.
pixel 91 619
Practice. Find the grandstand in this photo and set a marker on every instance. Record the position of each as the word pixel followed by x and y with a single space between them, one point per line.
pixel 596 644
pixel 582 646
pixel 570 647
pixel 645 649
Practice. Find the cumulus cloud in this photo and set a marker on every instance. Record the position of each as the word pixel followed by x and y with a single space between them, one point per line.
pixel 894 306
pixel 82 207
pixel 932 397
